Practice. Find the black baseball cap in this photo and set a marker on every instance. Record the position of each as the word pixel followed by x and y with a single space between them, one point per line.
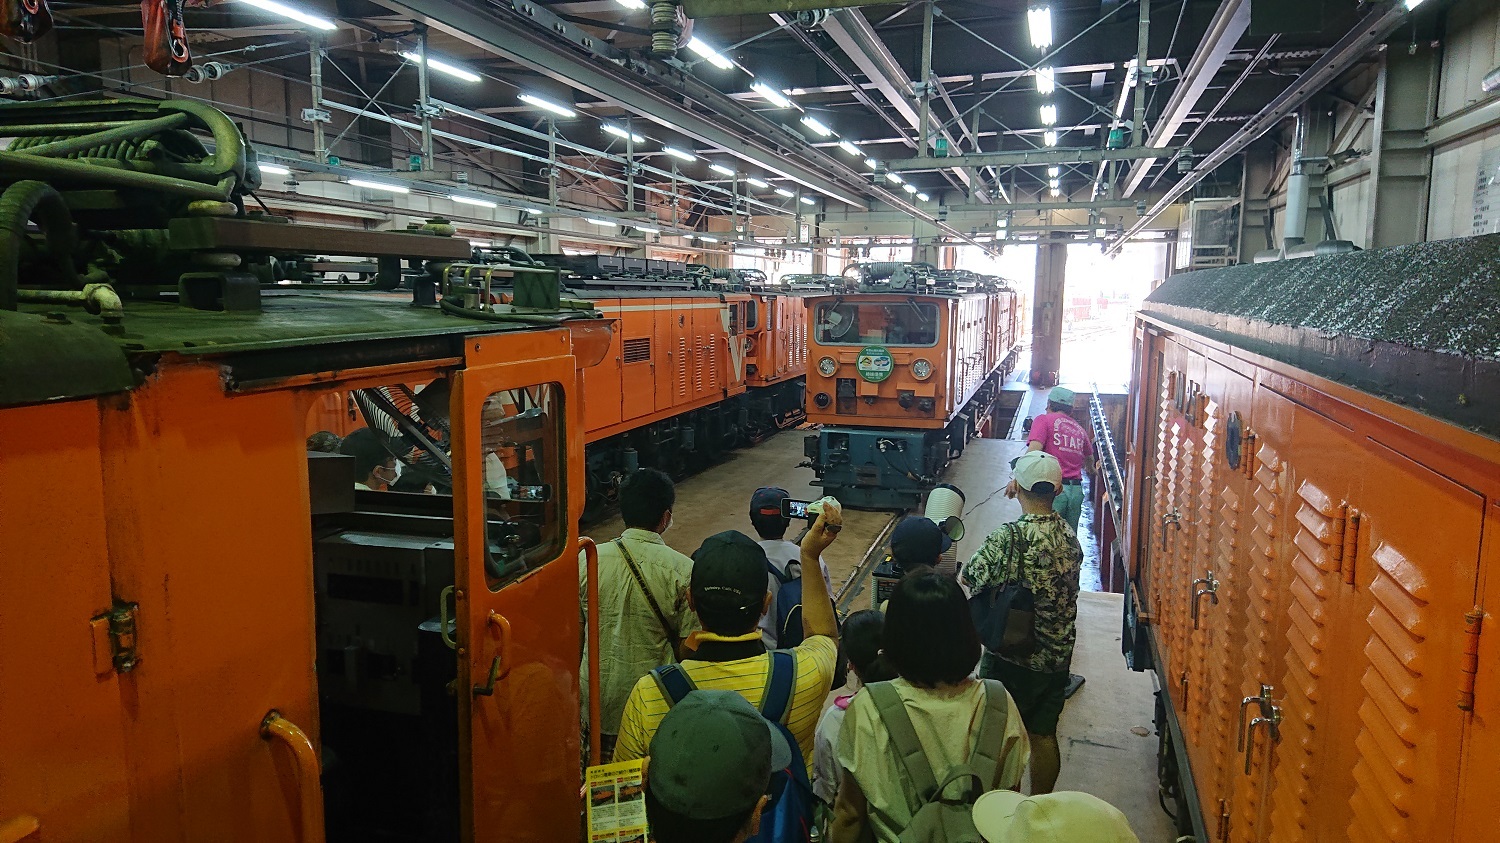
pixel 729 573
pixel 767 501
pixel 713 755
pixel 918 541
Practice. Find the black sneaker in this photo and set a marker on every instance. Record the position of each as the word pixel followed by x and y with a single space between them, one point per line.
pixel 1074 683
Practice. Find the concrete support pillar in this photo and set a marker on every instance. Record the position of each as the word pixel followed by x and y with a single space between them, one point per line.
pixel 1401 162
pixel 1047 310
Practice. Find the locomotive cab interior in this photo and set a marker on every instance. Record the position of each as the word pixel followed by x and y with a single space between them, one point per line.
pixel 384 589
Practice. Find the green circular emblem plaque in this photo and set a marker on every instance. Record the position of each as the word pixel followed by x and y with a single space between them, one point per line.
pixel 874 363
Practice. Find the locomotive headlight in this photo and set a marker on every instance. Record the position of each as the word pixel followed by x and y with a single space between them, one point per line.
pixel 827 366
pixel 921 369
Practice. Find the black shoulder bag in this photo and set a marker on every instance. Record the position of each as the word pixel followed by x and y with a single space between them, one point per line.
pixel 1005 614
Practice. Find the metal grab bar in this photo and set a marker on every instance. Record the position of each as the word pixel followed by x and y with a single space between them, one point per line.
pixel 278 728
pixel 591 565
pixel 1109 458
pixel 17 829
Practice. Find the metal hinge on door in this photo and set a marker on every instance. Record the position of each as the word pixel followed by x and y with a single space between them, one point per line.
pixel 1472 621
pixel 114 636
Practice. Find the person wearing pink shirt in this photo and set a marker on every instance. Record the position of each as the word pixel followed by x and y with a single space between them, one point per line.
pixel 1055 432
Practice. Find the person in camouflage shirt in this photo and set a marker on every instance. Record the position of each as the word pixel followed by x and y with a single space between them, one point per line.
pixel 1041 551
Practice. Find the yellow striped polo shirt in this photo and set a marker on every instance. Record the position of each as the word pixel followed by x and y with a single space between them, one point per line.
pixel 814 659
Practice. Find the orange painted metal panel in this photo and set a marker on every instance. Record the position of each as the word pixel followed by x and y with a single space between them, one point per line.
pixel 1348 552
pixel 62 748
pixel 519 746
pixel 225 624
pixel 637 373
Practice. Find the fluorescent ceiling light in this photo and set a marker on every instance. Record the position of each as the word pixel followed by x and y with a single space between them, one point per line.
pixel 892 178
pixel 700 47
pixel 1039 21
pixel 705 238
pixel 621 133
pixel 379 185
pixel 605 223
pixel 547 105
pixel 443 67
pixel 755 182
pixel 1046 80
pixel 1054 183
pixel 1056 191
pixel 817 126
pixel 536 212
pixel 1049 114
pixel 275 169
pixel 469 200
pixel 1054 172
pixel 771 95
pixel 1050 138
pixel 909 188
pixel 1003 222
pixel 647 229
pixel 922 197
pixel 288 12
pixel 1412 4
pixel 720 168
pixel 632 4
pixel 871 163
pixel 679 154
pixel 781 191
pixel 808 200
pixel 849 148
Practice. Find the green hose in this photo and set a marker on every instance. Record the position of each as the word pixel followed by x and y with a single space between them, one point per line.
pixel 24 202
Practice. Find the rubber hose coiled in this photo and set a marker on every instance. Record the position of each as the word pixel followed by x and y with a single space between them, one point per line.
pixel 27 201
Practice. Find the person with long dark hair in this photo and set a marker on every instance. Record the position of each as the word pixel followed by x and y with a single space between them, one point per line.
pixel 956 720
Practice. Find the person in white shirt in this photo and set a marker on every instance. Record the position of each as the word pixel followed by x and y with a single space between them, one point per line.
pixel 771 526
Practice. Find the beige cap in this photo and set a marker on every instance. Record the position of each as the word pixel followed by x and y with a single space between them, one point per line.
pixel 1035 467
pixel 1004 816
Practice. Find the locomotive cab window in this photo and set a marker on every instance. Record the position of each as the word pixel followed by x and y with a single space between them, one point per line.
pixel 877 323
pixel 521 451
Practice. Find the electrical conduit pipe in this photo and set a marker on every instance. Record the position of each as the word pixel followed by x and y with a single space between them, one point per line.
pixel 591 566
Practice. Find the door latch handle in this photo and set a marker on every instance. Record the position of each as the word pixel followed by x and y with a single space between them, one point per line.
pixel 488 688
pixel 1268 715
pixel 444 618
pixel 1210 588
pixel 499 665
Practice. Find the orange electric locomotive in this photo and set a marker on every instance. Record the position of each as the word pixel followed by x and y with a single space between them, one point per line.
pixel 1310 521
pixel 206 632
pixel 699 364
pixel 906 366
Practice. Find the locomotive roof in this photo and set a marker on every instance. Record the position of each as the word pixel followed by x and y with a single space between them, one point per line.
pixel 1418 324
pixel 52 352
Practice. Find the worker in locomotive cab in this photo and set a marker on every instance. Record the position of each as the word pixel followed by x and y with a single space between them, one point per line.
pixel 643 598
pixel 1056 432
pixel 1042 554
pixel 374 461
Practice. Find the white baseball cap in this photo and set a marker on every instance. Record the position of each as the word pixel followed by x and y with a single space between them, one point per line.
pixel 1035 467
pixel 1004 816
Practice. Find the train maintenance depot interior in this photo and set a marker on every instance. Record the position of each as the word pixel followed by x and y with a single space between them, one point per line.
pixel 333 334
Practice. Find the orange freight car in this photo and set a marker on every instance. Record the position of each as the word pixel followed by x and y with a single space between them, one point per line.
pixel 1312 522
pixel 905 370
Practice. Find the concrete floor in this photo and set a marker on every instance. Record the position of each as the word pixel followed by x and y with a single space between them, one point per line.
pixel 719 499
pixel 1101 755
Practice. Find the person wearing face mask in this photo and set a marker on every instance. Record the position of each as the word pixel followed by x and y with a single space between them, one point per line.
pixel 374 464
pixel 643 599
